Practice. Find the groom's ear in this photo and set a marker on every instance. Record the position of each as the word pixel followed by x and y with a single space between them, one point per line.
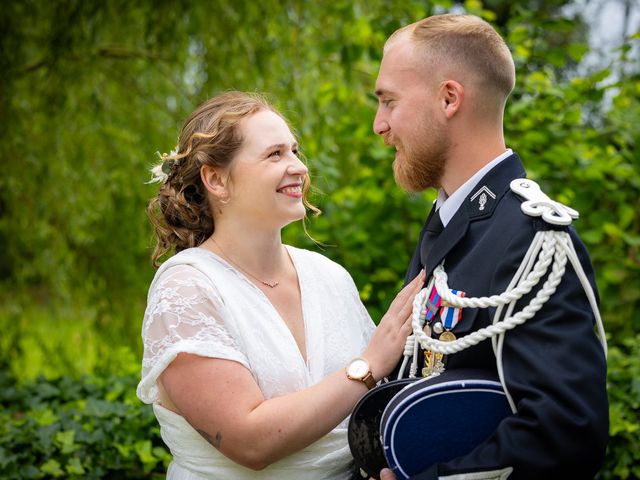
pixel 451 97
pixel 215 181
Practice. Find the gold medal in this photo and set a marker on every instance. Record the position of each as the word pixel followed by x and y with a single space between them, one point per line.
pixel 427 329
pixel 428 358
pixel 447 336
pixel 436 367
pixel 428 363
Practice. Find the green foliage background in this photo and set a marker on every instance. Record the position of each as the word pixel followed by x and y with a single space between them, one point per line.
pixel 90 90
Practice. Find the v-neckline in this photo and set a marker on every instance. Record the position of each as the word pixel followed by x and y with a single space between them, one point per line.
pixel 296 266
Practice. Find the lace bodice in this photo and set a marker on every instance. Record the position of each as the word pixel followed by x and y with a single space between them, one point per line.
pixel 199 304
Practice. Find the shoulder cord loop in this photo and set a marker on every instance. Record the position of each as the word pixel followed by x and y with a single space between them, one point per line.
pixel 549 248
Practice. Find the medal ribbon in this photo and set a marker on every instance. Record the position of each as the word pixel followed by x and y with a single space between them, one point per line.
pixel 433 304
pixel 450 315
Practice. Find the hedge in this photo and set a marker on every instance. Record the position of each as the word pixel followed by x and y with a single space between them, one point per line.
pixel 95 427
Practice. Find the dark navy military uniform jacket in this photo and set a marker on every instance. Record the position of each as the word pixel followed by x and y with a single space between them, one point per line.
pixel 554 365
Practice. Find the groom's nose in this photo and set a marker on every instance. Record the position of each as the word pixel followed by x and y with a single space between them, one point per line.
pixel 380 124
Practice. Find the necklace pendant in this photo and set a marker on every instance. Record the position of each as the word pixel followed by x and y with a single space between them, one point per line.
pixel 268 284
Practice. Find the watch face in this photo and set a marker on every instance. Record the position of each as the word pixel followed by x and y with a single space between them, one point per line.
pixel 358 368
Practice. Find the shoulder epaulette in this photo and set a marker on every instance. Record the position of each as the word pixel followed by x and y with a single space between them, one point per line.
pixel 538 204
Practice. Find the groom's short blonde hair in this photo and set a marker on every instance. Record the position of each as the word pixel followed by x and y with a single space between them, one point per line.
pixel 463 42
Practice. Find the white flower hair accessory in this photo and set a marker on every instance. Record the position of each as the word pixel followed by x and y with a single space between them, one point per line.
pixel 160 172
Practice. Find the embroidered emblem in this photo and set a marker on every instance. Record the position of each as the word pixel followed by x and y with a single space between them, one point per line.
pixel 483 200
pixel 484 191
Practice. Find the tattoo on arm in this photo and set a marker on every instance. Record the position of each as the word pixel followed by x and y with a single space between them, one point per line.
pixel 213 441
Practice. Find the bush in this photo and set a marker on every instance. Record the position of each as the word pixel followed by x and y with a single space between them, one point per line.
pixel 623 454
pixel 95 427
pixel 78 428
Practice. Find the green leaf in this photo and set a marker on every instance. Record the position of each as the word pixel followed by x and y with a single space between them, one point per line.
pixel 74 466
pixel 631 239
pixel 44 417
pixel 612 229
pixel 143 450
pixel 52 467
pixel 592 236
pixel 577 50
pixel 65 440
pixel 123 449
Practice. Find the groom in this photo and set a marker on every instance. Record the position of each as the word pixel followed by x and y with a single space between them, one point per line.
pixel 442 88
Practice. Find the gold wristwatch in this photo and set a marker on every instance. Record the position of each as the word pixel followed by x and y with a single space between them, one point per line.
pixel 358 369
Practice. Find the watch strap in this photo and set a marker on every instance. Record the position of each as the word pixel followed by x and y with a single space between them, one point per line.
pixel 368 380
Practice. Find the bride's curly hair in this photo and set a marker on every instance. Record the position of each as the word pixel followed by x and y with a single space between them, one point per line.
pixel 180 213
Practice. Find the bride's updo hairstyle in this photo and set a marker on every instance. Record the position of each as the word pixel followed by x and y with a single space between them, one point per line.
pixel 180 213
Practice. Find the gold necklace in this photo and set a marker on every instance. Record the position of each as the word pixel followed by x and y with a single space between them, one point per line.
pixel 268 284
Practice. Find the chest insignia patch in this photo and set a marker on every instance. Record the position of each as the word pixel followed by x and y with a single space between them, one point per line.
pixel 483 196
pixel 482 199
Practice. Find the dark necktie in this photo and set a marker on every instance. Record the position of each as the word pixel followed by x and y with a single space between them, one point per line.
pixel 433 228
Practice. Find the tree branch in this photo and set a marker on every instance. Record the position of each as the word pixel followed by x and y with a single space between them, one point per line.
pixel 118 52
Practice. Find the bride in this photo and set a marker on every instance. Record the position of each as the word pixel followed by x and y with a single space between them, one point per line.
pixel 255 352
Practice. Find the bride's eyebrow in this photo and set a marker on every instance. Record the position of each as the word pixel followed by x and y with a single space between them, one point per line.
pixel 276 146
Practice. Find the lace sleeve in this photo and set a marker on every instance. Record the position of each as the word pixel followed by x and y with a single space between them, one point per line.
pixel 184 314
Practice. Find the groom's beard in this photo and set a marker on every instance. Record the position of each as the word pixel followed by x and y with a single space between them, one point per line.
pixel 422 166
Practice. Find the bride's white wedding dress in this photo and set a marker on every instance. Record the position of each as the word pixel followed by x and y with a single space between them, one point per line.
pixel 200 304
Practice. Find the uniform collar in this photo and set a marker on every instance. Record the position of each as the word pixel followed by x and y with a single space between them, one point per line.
pixel 447 206
pixel 478 204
